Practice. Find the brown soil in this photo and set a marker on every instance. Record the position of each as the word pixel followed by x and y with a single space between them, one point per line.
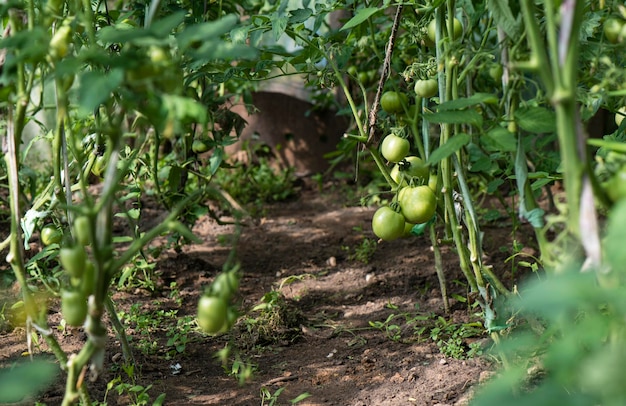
pixel 325 345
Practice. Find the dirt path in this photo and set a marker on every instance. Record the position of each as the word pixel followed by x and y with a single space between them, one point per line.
pixel 324 342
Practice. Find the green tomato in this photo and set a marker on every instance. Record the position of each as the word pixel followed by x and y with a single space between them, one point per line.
pixel 212 314
pixel 82 230
pixel 407 229
pixel 394 148
pixel 616 186
pixel 51 234
pixel 495 72
pixel 433 180
pixel 392 102
pixel 388 224
pixel 73 307
pixel 199 146
pixel 426 88
pixel 231 318
pixel 59 44
pixel 613 30
pixel 88 281
pixel 225 285
pixel 418 203
pixel 73 260
pixel 432 30
pixel 409 167
pixel 619 116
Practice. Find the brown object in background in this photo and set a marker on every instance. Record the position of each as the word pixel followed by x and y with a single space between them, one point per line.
pixel 298 135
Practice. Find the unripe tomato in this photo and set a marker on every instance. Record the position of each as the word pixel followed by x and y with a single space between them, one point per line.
pixel 225 285
pixel 158 56
pixel 411 166
pixel 407 229
pixel 392 102
pixel 433 180
pixel 51 234
pixel 613 30
pixel 82 230
pixel 88 280
pixel 73 260
pixel 212 314
pixel 353 71
pixel 394 148
pixel 616 186
pixel 432 29
pixel 388 224
pixel 73 307
pixel 426 88
pixel 418 203
pixel 199 146
pixel 495 72
pixel 231 319
pixel 619 116
pixel 59 44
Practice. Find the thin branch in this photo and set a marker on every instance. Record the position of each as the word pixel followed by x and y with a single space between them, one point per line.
pixel 373 116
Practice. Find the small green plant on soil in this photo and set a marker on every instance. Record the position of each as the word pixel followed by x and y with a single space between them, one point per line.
pixel 450 338
pixel 271 399
pixel 132 393
pixel 256 183
pixel 362 252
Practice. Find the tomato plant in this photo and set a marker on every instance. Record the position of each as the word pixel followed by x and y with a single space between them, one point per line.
pixel 393 102
pixel 426 88
pixel 394 148
pixel 418 203
pixel 388 224
pixel 212 313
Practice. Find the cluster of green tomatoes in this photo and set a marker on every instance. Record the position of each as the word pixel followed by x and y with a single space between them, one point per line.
pixel 415 202
pixel 78 268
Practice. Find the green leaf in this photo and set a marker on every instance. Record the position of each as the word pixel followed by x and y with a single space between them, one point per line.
pixel 279 24
pixel 499 139
pixel 503 17
pixel 461 103
pixel 456 117
pixel 25 379
pixel 536 119
pixel 216 160
pixel 360 17
pixel 300 15
pixel 96 87
pixel 300 398
pixel 184 109
pixel 450 147
pixel 207 31
pixel 164 27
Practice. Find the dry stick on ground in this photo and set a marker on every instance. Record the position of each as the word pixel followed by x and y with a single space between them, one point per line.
pixel 373 116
